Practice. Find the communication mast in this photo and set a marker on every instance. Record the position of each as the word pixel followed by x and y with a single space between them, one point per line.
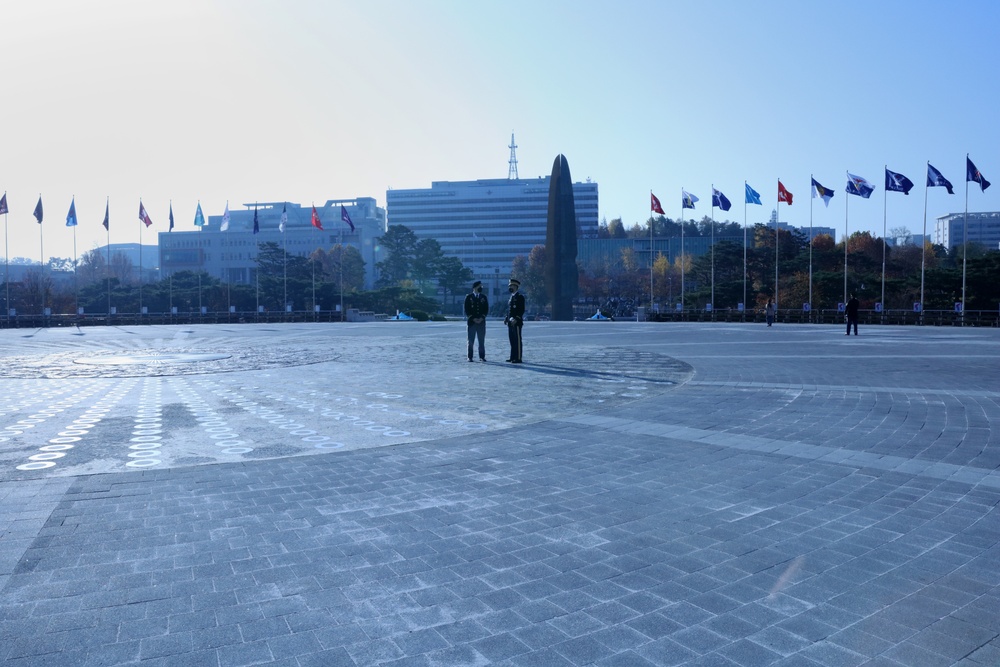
pixel 512 163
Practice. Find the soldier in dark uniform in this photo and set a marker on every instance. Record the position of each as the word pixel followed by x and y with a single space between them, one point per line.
pixel 852 314
pixel 515 320
pixel 477 307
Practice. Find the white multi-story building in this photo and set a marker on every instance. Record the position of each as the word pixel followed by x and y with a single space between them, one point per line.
pixel 487 223
pixel 983 229
pixel 231 255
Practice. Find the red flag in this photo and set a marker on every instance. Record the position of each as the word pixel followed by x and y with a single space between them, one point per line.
pixel 654 204
pixel 784 195
pixel 143 216
pixel 315 220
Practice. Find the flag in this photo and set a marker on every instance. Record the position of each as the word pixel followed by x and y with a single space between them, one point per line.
pixel 71 216
pixel 3 204
pixel 654 204
pixel 315 220
pixel 346 218
pixel 38 210
pixel 171 217
pixel 687 199
pixel 784 195
pixel 719 199
pixel 826 194
pixel 225 219
pixel 107 221
pixel 256 225
pixel 143 216
pixel 284 218
pixel 935 177
pixel 897 183
pixel 753 197
pixel 973 174
pixel 859 186
pixel 199 217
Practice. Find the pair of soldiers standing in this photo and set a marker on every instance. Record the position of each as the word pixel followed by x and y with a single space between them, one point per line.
pixel 477 307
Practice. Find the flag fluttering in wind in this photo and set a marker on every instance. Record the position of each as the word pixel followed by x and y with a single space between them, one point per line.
pixel 753 197
pixel 784 195
pixel 143 216
pixel 256 225
pixel 826 194
pixel 315 220
pixel 897 183
pixel 199 217
pixel 3 204
pixel 654 204
pixel 284 218
pixel 71 216
pixel 107 220
pixel 719 199
pixel 859 186
pixel 974 175
pixel 171 217
pixel 38 210
pixel 225 219
pixel 935 178
pixel 687 199
pixel 346 218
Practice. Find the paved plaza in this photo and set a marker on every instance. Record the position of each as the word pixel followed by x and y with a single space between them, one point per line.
pixel 634 494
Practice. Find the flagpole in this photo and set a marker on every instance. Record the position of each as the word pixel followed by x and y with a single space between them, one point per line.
pixel 813 193
pixel 142 223
pixel 682 254
pixel 713 251
pixel 846 207
pixel 923 252
pixel 41 253
pixel 744 251
pixel 885 196
pixel 284 264
pixel 340 240
pixel 965 237
pixel 651 253
pixel 6 265
pixel 170 276
pixel 256 241
pixel 76 278
pixel 312 264
pixel 107 204
pixel 777 207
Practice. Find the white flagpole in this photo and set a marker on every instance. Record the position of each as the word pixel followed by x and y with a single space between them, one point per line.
pixel 744 251
pixel 41 252
pixel 142 223
pixel 885 196
pixel 713 251
pixel 777 207
pixel 651 253
pixel 682 254
pixel 846 199
pixel 6 266
pixel 107 205
pixel 923 251
pixel 76 278
pixel 812 195
pixel 965 238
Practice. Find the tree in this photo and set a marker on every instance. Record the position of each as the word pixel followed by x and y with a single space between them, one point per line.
pixel 616 229
pixel 92 267
pixel 399 244
pixel 427 257
pixel 122 268
pixel 901 235
pixel 348 259
pixel 453 276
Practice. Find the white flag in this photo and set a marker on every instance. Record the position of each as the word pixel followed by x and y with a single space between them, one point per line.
pixel 284 218
pixel 225 219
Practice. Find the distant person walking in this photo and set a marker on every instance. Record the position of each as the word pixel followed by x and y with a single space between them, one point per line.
pixel 477 307
pixel 852 315
pixel 769 312
pixel 514 320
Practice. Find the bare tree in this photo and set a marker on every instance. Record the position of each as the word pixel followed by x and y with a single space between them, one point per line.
pixel 122 268
pixel 901 235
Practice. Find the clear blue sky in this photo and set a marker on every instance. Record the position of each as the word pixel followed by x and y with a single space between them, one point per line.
pixel 243 100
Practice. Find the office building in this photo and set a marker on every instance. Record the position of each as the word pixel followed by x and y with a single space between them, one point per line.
pixel 983 229
pixel 231 255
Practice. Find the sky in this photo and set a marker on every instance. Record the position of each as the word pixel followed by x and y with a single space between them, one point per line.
pixel 216 101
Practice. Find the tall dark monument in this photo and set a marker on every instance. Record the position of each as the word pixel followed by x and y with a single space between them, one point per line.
pixel 561 273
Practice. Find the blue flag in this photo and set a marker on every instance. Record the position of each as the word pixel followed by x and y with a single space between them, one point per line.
pixel 71 216
pixel 935 177
pixel 973 174
pixel 753 197
pixel 346 218
pixel 687 199
pixel 897 183
pixel 826 194
pixel 3 204
pixel 719 199
pixel 256 225
pixel 171 217
pixel 38 210
pixel 859 186
pixel 199 217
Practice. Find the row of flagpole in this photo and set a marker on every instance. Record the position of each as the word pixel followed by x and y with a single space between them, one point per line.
pixel 144 218
pixel 856 185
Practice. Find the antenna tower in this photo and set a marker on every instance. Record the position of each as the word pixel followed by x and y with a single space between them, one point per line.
pixel 512 169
